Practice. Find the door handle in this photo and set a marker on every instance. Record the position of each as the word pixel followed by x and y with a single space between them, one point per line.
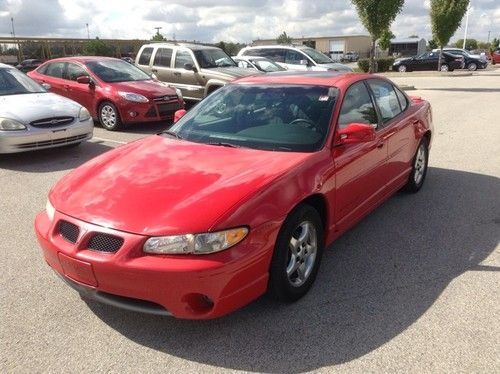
pixel 154 70
pixel 66 87
pixel 380 144
pixel 177 73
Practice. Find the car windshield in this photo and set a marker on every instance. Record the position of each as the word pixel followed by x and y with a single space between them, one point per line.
pixel 213 58
pixel 116 71
pixel 266 65
pixel 293 118
pixel 14 82
pixel 317 57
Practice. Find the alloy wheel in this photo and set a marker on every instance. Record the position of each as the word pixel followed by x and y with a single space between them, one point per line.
pixel 303 248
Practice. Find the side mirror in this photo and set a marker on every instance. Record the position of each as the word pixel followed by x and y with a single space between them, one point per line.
pixel 84 79
pixel 46 86
pixel 179 114
pixel 188 66
pixel 304 62
pixel 355 133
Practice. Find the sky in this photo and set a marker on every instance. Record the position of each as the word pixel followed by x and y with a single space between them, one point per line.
pixel 227 20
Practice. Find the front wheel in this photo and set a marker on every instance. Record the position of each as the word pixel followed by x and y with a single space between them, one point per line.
pixel 109 117
pixel 402 68
pixel 445 67
pixel 297 254
pixel 419 168
pixel 472 66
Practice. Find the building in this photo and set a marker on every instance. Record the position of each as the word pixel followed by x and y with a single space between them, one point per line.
pixel 407 47
pixel 334 46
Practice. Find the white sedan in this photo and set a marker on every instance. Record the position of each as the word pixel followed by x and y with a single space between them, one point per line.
pixel 32 118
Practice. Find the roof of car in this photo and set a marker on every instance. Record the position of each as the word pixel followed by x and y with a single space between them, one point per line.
pixel 83 59
pixel 297 46
pixel 186 45
pixel 321 78
pixel 5 66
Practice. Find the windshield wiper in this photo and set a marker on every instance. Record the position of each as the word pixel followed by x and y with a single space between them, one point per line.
pixel 223 144
pixel 174 134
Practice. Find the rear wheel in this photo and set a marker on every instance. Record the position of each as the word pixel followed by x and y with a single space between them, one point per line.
pixel 402 68
pixel 419 168
pixel 445 67
pixel 297 254
pixel 472 66
pixel 109 117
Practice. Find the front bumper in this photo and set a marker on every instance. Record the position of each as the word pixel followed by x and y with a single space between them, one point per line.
pixel 153 111
pixel 41 138
pixel 189 287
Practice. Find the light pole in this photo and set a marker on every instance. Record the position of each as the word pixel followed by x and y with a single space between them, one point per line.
pixel 466 25
pixel 19 53
pixel 88 33
pixel 157 30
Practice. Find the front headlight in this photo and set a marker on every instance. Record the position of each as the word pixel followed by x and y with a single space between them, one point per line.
pixel 134 97
pixel 210 242
pixel 8 124
pixel 84 114
pixel 50 210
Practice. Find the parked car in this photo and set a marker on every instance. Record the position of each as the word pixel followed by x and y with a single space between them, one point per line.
pixel 197 70
pixel 472 62
pixel 28 65
pixel 130 60
pixel 31 118
pixel 114 91
pixel 240 196
pixel 295 57
pixel 495 56
pixel 429 61
pixel 258 63
pixel 350 57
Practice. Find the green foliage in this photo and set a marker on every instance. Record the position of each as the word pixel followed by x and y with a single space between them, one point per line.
pixel 431 44
pixel 158 38
pixel 97 47
pixel 483 45
pixel 377 16
pixel 446 16
pixel 385 40
pixel 494 44
pixel 469 44
pixel 383 64
pixel 284 39
pixel 230 48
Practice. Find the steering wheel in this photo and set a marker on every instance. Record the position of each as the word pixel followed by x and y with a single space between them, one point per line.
pixel 304 123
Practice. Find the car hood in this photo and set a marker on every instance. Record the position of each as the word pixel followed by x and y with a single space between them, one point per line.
pixel 149 88
pixel 228 73
pixel 335 66
pixel 26 108
pixel 163 186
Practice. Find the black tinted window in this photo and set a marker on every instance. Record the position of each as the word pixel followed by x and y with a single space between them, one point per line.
pixel 275 54
pixel 386 98
pixel 181 58
pixel 357 107
pixel 294 57
pixel 163 57
pixel 55 69
pixel 145 56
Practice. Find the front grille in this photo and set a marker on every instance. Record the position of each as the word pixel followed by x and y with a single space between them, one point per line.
pixel 151 112
pixel 168 108
pixel 105 243
pixel 68 231
pixel 46 143
pixel 165 98
pixel 52 122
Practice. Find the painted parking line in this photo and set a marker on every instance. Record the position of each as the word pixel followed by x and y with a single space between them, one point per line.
pixel 107 140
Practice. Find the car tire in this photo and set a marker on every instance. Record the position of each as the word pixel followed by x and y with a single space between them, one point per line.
pixel 109 118
pixel 402 69
pixel 420 164
pixel 472 66
pixel 297 254
pixel 445 67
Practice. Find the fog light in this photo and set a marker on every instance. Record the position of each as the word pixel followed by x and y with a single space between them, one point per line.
pixel 133 114
pixel 198 303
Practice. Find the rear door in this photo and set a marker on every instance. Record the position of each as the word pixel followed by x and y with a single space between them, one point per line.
pixel 53 75
pixel 143 60
pixel 162 64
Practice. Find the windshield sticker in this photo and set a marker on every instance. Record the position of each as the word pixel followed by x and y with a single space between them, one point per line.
pixel 323 98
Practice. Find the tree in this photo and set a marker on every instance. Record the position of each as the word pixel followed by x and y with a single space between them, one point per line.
pixel 158 37
pixel 431 44
pixel 377 16
pixel 385 40
pixel 284 39
pixel 469 44
pixel 446 16
pixel 97 48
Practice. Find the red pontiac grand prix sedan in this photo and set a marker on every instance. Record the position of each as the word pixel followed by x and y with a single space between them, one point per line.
pixel 239 197
pixel 113 91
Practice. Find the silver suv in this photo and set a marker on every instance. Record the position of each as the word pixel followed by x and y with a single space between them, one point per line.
pixel 295 57
pixel 196 70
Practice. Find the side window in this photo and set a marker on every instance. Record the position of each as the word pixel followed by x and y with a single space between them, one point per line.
pixel 181 58
pixel 74 71
pixel 55 69
pixel 386 99
pixel 402 99
pixel 244 64
pixel 274 54
pixel 163 57
pixel 357 107
pixel 293 57
pixel 145 56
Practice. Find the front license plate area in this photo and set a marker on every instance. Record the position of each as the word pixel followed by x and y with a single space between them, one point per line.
pixel 78 270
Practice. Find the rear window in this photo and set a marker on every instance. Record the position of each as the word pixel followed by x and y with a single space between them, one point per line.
pixel 163 57
pixel 145 56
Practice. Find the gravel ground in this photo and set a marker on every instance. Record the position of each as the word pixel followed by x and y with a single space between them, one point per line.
pixel 413 288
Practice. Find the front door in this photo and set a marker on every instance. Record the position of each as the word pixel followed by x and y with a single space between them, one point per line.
pixel 189 82
pixel 84 94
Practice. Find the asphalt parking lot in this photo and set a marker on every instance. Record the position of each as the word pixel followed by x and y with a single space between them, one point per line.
pixel 415 287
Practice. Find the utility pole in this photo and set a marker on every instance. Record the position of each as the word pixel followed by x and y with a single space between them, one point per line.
pixel 157 30
pixel 88 33
pixel 466 25
pixel 19 53
pixel 489 32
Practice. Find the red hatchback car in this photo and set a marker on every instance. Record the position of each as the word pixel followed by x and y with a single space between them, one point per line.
pixel 240 196
pixel 115 92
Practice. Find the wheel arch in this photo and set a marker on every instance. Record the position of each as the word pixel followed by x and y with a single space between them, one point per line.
pixel 319 203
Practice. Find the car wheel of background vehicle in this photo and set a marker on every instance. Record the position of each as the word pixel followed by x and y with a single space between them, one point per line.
pixel 444 67
pixel 419 168
pixel 402 68
pixel 472 66
pixel 297 254
pixel 109 117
